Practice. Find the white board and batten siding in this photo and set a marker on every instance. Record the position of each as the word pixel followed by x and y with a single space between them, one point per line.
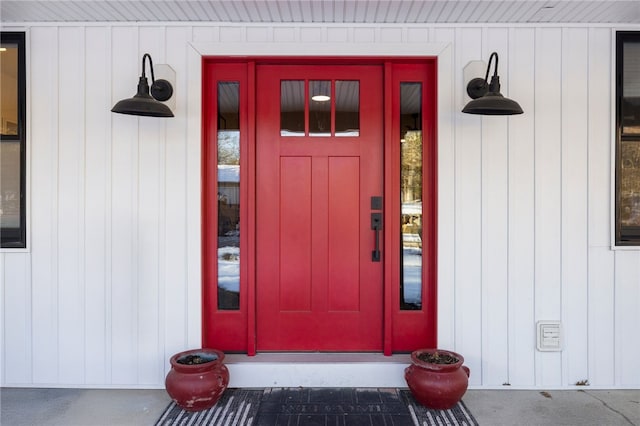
pixel 109 287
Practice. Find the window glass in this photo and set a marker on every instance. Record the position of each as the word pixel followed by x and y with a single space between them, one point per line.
pixel 347 108
pixel 228 196
pixel 631 88
pixel 12 140
pixel 292 108
pixel 9 88
pixel 628 144
pixel 411 195
pixel 629 172
pixel 320 108
pixel 10 166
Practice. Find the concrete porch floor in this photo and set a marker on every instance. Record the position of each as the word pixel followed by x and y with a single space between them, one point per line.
pixel 113 407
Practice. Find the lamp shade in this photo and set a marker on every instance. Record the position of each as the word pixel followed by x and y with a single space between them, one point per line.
pixel 493 104
pixel 142 103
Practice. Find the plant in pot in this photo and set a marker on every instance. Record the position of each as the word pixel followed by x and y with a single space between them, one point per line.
pixel 436 378
pixel 197 378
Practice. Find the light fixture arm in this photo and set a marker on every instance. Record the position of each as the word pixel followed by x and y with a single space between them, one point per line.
pixel 494 86
pixel 479 87
pixel 161 90
pixel 495 69
pixel 145 56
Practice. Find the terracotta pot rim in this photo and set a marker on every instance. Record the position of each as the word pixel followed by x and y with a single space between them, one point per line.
pixel 431 366
pixel 197 367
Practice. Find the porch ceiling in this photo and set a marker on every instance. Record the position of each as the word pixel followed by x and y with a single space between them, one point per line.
pixel 323 11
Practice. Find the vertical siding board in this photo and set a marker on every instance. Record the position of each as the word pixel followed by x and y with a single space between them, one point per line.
pixel 548 132
pixel 601 317
pixel 151 146
pixel 494 213
pixel 521 218
pixel 16 318
pixel 70 201
pixel 338 34
pixel 574 203
pixel 201 34
pixel 232 34
pixel 174 255
pixel 601 258
pixel 126 66
pixel 447 111
pixel 194 205
pixel 600 136
pixel 468 214
pixel 311 34
pixel 4 315
pixel 391 35
pixel 254 35
pixel 418 35
pixel 627 318
pixel 285 34
pixel 96 206
pixel 43 56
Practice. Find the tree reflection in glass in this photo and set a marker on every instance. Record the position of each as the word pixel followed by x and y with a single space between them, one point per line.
pixel 228 153
pixel 411 195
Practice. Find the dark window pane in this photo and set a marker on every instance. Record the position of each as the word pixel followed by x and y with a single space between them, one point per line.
pixel 10 187
pixel 630 184
pixel 9 89
pixel 292 108
pixel 320 108
pixel 628 139
pixel 631 89
pixel 411 195
pixel 347 108
pixel 228 196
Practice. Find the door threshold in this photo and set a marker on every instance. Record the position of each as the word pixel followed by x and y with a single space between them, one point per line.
pixel 317 370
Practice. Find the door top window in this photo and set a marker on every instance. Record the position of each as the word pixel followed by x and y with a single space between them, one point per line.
pixel 320 108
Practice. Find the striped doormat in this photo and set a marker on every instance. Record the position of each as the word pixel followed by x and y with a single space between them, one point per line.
pixel 317 406
pixel 235 407
pixel 423 416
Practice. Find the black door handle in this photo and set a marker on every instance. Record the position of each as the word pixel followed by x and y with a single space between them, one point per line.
pixel 376 226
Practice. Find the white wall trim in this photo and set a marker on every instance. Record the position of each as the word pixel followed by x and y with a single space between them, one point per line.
pixel 319 49
pixel 199 50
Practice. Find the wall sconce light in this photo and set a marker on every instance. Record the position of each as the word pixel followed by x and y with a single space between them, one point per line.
pixel 143 103
pixel 486 98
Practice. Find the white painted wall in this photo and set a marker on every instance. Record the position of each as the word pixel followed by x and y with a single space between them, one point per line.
pixel 109 287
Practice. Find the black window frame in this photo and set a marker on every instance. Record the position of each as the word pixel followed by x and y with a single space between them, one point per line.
pixel 17 237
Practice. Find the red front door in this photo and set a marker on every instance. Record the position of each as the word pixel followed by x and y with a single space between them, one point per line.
pixel 318 165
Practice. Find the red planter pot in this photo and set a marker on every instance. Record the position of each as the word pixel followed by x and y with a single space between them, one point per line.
pixel 199 386
pixel 438 386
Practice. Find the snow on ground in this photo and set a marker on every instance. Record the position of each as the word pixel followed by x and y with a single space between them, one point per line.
pixel 229 271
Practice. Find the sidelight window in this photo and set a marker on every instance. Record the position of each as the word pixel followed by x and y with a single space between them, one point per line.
pixel 411 195
pixel 228 154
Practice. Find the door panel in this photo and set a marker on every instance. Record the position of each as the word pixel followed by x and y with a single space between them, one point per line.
pixel 295 234
pixel 343 234
pixel 317 287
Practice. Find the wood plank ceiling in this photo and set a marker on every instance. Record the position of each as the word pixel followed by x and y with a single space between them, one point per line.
pixel 322 11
